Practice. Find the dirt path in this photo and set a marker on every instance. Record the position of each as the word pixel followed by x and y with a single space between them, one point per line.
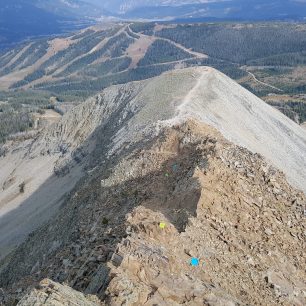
pixel 262 83
pixel 196 54
pixel 190 95
pixel 193 53
pixel 50 116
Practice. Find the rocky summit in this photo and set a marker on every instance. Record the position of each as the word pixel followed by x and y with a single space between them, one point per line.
pixel 185 195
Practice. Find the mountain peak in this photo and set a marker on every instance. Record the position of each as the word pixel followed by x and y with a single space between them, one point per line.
pixel 211 97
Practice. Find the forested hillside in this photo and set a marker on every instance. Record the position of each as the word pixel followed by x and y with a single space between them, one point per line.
pixel 267 58
pixel 242 44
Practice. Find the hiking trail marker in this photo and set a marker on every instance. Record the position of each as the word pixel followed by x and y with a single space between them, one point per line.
pixel 162 225
pixel 194 262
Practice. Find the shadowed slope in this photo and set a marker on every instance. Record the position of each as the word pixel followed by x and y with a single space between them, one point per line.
pixel 220 203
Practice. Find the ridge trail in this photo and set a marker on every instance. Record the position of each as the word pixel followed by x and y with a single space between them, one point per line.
pixel 263 83
pixel 191 93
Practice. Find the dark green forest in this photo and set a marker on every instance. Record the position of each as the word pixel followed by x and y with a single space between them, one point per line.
pixel 162 52
pixel 239 44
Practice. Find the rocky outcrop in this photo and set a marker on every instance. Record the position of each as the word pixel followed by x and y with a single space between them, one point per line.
pixel 241 228
pixel 219 204
pixel 53 294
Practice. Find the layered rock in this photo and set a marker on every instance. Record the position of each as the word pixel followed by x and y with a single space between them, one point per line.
pixel 53 294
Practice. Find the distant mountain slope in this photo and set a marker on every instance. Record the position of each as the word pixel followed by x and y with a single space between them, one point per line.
pixel 100 51
pixel 231 9
pixel 21 19
pixel 93 51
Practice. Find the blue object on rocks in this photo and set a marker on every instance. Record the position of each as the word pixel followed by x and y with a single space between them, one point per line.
pixel 194 262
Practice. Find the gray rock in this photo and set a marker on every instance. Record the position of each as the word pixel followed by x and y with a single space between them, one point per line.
pixel 50 293
pixel 278 282
pixel 99 281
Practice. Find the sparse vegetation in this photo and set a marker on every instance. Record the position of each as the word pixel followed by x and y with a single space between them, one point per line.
pixel 22 187
pixel 86 88
pixel 115 47
pixel 29 56
pixel 105 221
pixel 14 122
pixel 82 34
pixel 294 110
pixel 79 48
pixel 37 74
pixel 109 66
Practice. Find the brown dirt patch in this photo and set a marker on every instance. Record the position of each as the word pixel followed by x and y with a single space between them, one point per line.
pixel 137 50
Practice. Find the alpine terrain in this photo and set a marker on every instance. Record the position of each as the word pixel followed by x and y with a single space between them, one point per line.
pixel 180 189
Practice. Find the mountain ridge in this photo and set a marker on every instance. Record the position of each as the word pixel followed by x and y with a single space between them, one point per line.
pixel 141 154
pixel 86 136
pixel 107 239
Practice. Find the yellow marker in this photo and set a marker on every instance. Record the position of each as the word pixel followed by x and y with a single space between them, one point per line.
pixel 162 225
